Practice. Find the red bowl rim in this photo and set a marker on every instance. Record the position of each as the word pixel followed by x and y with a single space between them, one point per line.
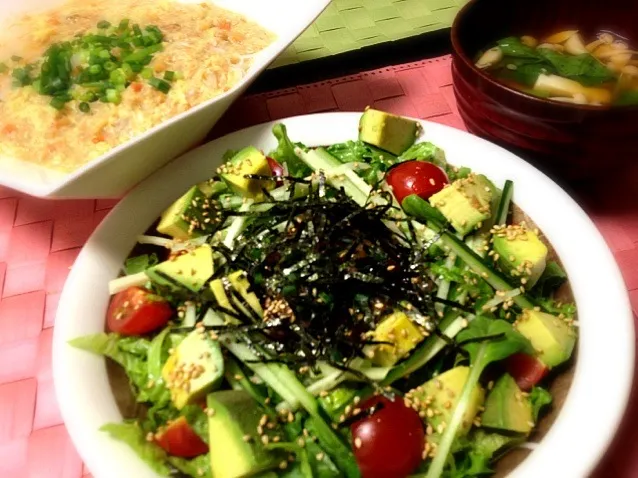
pixel 460 54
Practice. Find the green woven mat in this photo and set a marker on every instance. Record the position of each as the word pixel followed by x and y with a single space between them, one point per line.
pixel 352 24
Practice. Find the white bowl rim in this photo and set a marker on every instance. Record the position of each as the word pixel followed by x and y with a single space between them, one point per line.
pixel 604 349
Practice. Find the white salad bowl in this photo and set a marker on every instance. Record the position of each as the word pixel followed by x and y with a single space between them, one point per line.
pixel 606 340
pixel 115 172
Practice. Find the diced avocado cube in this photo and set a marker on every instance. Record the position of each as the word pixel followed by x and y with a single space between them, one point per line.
pixel 232 293
pixel 507 408
pixel 386 131
pixel 236 446
pixel 552 337
pixel 248 161
pixel 465 203
pixel 402 335
pixel 182 218
pixel 520 251
pixel 190 270
pixel 437 397
pixel 194 368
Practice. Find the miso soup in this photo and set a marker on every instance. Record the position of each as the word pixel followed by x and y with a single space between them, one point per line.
pixel 564 66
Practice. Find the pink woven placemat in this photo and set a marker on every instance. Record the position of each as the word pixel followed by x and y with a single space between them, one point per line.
pixel 39 240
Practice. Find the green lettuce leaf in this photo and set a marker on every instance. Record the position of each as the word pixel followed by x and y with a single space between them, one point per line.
pixel 135 437
pixel 489 444
pixel 302 467
pixel 198 467
pixel 552 306
pixel 129 352
pixel 424 151
pixel 539 398
pixel 132 353
pixel 360 152
pixel 552 278
pixel 285 153
pixel 197 419
pixel 487 340
pixel 467 281
pixel 477 452
pixel 137 264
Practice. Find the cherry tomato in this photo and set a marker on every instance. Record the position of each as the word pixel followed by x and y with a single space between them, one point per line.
pixel 179 439
pixel 136 311
pixel 416 177
pixel 276 168
pixel 389 442
pixel 526 370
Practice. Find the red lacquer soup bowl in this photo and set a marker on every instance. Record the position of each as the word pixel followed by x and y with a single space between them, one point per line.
pixel 566 140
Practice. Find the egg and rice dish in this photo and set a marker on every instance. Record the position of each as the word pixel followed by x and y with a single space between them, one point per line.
pixel 81 79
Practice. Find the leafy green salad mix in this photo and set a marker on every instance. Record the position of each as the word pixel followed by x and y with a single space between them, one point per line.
pixel 363 309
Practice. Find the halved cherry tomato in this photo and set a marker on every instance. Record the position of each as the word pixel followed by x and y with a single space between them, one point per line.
pixel 416 177
pixel 389 442
pixel 179 439
pixel 526 370
pixel 276 167
pixel 136 311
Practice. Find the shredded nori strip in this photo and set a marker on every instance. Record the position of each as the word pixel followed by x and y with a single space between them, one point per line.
pixel 327 272
pixel 334 266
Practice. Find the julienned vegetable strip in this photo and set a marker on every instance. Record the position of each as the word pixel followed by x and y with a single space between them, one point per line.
pixel 504 203
pixel 444 284
pixel 438 463
pixel 492 277
pixel 321 160
pixel 332 377
pixel 123 283
pixel 237 225
pixel 284 382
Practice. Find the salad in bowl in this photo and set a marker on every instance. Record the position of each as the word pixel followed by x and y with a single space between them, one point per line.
pixel 361 309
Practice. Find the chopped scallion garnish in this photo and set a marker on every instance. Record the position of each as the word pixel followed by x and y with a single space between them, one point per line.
pixel 57 103
pixel 84 107
pixel 113 96
pixel 104 65
pixel 160 85
pixel 147 73
pixel 123 26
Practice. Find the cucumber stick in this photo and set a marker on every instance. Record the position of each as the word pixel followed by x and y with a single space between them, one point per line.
pixel 504 203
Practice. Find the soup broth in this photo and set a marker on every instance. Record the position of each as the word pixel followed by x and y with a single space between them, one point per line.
pixel 566 67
